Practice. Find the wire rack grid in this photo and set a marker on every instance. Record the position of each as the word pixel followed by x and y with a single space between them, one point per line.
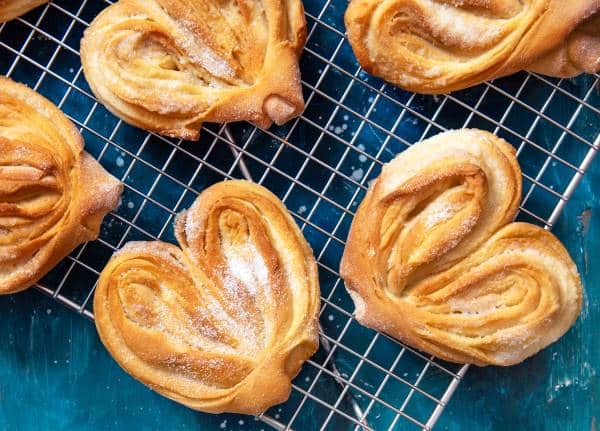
pixel 320 165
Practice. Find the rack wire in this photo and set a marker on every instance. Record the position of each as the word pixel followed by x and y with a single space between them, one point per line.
pixel 320 165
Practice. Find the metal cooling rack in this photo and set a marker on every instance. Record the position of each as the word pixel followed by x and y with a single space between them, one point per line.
pixel 320 165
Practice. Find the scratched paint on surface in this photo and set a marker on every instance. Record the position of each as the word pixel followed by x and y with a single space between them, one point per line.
pixel 558 389
pixel 55 374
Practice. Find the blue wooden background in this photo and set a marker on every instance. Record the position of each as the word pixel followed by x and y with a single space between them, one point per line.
pixel 55 374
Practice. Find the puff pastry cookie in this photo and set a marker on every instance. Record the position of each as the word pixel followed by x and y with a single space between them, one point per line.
pixel 438 46
pixel 224 323
pixel 170 65
pixel 10 9
pixel 434 260
pixel 53 195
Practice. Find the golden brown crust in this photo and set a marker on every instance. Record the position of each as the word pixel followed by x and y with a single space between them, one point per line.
pixel 224 323
pixel 10 9
pixel 438 46
pixel 170 65
pixel 433 258
pixel 53 195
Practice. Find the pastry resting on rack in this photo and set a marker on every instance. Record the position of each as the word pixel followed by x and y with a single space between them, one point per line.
pixel 223 323
pixel 170 65
pixel 438 46
pixel 10 9
pixel 53 195
pixel 434 259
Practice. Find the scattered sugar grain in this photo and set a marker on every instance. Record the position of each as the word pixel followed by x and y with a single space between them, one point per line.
pixel 357 174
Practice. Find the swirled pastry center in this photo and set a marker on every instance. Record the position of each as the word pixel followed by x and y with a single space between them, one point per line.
pixel 434 260
pixel 52 195
pixel 214 323
pixel 437 46
pixel 169 65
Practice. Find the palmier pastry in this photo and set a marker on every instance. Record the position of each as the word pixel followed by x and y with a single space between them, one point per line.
pixel 438 46
pixel 224 323
pixel 10 9
pixel 434 259
pixel 53 195
pixel 170 65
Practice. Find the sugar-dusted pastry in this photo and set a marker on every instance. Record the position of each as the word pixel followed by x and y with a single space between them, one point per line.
pixel 170 65
pixel 434 259
pixel 223 323
pixel 53 195
pixel 438 46
pixel 10 9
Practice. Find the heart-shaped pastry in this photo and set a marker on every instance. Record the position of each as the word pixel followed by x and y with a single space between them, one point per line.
pixel 170 65
pixel 53 195
pixel 224 323
pixel 434 259
pixel 10 9
pixel 438 46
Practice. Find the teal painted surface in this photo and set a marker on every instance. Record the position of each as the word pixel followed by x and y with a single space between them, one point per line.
pixel 558 389
pixel 55 374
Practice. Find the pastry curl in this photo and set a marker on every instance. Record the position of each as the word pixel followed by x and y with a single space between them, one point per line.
pixel 434 260
pixel 438 46
pixel 224 323
pixel 53 195
pixel 170 65
pixel 10 9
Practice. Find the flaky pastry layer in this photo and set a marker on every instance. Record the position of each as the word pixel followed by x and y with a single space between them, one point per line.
pixel 10 9
pixel 223 323
pixel 170 65
pixel 53 195
pixel 434 259
pixel 438 46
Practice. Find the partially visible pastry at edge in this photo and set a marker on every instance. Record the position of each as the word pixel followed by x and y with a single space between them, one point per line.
pixel 53 195
pixel 223 323
pixel 438 46
pixel 434 259
pixel 10 9
pixel 170 65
